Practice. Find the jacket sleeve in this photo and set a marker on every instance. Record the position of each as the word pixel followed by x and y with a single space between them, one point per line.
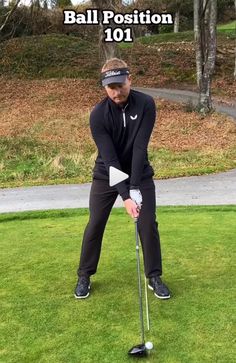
pixel 107 150
pixel 141 142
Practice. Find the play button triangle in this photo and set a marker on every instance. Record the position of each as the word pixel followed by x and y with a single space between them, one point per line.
pixel 116 176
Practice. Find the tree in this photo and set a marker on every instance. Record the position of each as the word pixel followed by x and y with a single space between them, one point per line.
pixel 45 5
pixel 235 48
pixel 64 3
pixel 176 21
pixel 205 15
pixel 176 7
pixel 107 50
pixel 61 3
pixel 13 7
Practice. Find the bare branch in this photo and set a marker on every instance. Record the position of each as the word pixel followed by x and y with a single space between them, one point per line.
pixel 9 14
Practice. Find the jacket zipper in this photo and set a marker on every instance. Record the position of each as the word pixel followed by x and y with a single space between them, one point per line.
pixel 124 118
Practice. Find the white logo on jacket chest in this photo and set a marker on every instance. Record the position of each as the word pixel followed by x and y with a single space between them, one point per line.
pixel 133 117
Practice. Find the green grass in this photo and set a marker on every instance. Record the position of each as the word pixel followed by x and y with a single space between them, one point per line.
pixel 229 27
pixel 167 163
pixel 28 161
pixel 187 36
pixel 48 56
pixel 42 322
pixel 167 37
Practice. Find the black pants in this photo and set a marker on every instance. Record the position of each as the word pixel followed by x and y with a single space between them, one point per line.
pixel 102 197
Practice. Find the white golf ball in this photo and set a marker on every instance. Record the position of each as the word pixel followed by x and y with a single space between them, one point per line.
pixel 149 345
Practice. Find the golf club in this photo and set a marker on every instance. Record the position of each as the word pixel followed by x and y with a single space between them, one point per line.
pixel 147 305
pixel 140 350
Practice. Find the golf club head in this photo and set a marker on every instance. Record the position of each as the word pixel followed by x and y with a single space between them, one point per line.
pixel 138 351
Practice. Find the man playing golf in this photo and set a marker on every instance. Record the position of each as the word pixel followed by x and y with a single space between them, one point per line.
pixel 121 126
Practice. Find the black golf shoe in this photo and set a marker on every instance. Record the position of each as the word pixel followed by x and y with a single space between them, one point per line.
pixel 82 287
pixel 159 288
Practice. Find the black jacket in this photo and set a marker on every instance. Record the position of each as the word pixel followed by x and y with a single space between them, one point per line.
pixel 122 136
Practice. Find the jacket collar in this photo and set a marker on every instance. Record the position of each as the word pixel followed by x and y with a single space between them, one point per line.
pixel 118 107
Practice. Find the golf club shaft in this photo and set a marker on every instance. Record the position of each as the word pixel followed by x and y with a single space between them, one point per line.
pixel 139 280
pixel 147 305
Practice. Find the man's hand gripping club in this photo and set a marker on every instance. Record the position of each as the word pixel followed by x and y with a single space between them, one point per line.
pixel 134 203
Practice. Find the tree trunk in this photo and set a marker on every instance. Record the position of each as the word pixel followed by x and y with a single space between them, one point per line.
pixel 107 50
pixel 235 46
pixel 205 12
pixel 176 21
pixel 235 66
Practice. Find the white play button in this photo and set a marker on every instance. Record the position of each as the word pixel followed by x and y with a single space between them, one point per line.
pixel 116 176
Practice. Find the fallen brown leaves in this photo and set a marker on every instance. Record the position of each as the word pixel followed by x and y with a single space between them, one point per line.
pixel 58 110
pixel 180 131
pixel 28 103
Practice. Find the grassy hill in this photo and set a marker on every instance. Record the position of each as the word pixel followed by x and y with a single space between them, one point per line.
pixel 159 60
pixel 48 56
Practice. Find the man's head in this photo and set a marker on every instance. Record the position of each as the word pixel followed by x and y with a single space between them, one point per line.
pixel 116 80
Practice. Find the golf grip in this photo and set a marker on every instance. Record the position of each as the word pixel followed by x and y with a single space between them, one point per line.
pixel 139 280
